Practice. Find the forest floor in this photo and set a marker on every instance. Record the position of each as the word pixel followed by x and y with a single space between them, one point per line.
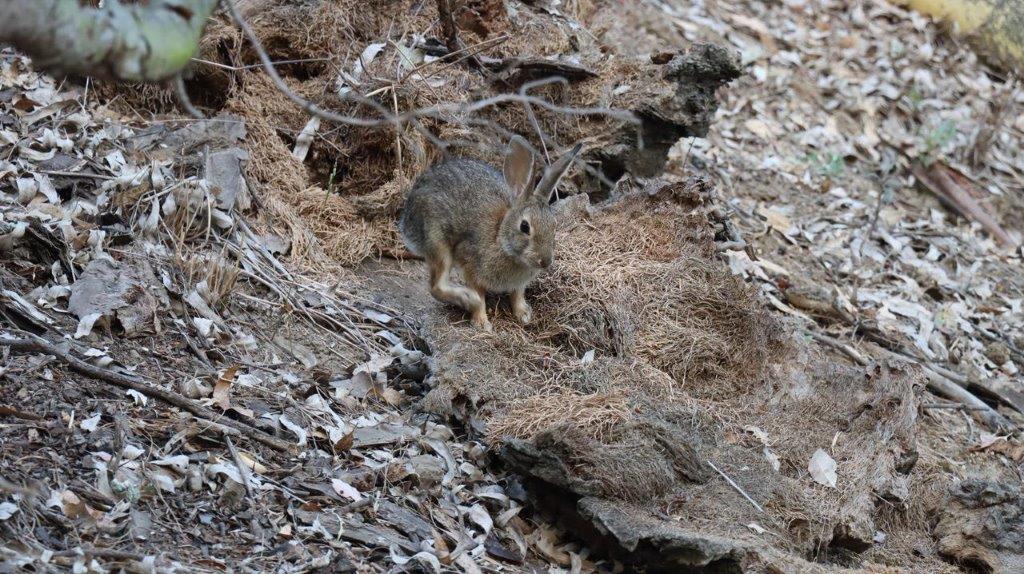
pixel 216 360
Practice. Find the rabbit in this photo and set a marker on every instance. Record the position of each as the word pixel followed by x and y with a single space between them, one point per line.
pixel 496 226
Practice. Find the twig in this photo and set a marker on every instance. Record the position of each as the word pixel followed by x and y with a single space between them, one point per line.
pixel 108 553
pixel 951 187
pixel 7 486
pixel 943 385
pixel 76 174
pixel 950 406
pixel 451 34
pixel 243 471
pixel 840 346
pixel 737 487
pixel 951 390
pixel 464 53
pixel 186 103
pixel 941 381
pixel 356 505
pixel 251 66
pixel 34 344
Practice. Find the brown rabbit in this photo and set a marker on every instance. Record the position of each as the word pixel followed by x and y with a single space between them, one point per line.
pixel 498 229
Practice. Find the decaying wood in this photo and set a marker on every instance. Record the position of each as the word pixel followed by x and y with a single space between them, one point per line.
pixel 946 387
pixel 34 344
pixel 950 187
pixel 451 33
pixel 944 382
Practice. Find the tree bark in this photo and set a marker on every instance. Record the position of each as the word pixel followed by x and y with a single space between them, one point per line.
pixel 136 42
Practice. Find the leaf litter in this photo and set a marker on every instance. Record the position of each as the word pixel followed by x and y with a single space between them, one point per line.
pixel 375 477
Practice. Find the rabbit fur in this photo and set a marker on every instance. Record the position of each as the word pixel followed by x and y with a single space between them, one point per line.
pixel 494 225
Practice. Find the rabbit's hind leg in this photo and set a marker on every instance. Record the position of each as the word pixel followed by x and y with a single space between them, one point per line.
pixel 480 319
pixel 440 262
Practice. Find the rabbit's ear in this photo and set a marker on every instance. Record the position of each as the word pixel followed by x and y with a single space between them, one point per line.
pixel 518 165
pixel 553 174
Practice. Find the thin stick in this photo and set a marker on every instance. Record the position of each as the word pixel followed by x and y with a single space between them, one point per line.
pixel 77 174
pixel 34 344
pixel 840 346
pixel 950 406
pixel 737 487
pixel 942 385
pixel 445 60
pixel 451 33
pixel 243 471
pixel 251 66
pixel 186 103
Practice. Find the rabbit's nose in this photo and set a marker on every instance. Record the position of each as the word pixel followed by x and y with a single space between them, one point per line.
pixel 545 261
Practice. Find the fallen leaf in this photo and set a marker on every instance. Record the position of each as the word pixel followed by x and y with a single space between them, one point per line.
pixel 345 489
pixel 495 548
pixel 86 323
pixel 772 458
pixel 7 510
pixel 299 431
pixel 823 469
pixel 139 398
pixel 178 462
pixel 479 515
pixel 424 558
pixel 222 389
pixel 305 139
pixel 90 424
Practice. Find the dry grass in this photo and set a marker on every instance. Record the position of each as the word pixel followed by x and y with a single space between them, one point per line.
pixel 687 359
pixel 597 413
pixel 350 187
pixel 669 328
pixel 214 276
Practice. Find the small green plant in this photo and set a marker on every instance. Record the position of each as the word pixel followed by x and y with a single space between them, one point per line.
pixel 914 97
pixel 330 182
pixel 830 165
pixel 937 138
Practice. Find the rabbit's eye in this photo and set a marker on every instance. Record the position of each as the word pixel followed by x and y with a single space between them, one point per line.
pixel 524 226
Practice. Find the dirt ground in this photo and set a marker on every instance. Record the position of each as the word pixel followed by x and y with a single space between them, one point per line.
pixel 217 363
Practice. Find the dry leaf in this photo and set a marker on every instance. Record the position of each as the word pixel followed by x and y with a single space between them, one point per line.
pixel 222 389
pixel 90 424
pixel 823 469
pixel 345 489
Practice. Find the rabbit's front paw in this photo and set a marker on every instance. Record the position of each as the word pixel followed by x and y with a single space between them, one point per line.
pixel 481 322
pixel 523 312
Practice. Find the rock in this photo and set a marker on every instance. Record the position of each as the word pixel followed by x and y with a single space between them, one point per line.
pixel 855 532
pixel 661 546
pixel 682 105
pixel 983 526
pixel 998 353
pixel 111 291
pixel 429 469
pixel 383 434
pixel 223 171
